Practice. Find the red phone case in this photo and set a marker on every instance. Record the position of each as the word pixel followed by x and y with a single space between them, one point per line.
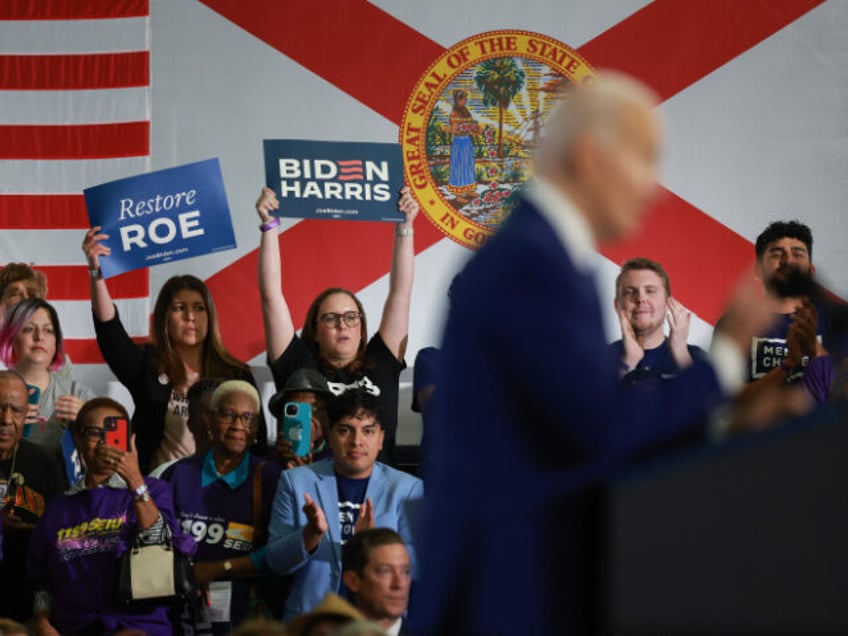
pixel 119 435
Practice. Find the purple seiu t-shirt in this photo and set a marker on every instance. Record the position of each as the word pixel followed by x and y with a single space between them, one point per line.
pixel 74 554
pixel 220 519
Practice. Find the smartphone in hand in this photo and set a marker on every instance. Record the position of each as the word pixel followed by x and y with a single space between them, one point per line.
pixel 33 397
pixel 117 432
pixel 297 426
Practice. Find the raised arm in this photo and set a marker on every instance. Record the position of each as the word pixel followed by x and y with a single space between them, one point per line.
pixel 101 299
pixel 394 326
pixel 279 328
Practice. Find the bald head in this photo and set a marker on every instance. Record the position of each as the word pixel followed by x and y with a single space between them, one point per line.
pixel 13 408
pixel 601 149
pixel 12 376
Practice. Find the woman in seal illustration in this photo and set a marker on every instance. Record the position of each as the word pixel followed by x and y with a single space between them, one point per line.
pixel 462 180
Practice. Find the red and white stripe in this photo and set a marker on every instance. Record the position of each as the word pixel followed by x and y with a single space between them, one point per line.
pixel 75 104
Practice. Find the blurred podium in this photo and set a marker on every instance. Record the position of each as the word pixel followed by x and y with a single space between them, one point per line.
pixel 748 537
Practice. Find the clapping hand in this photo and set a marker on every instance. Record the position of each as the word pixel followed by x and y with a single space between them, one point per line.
pixel 801 338
pixel 679 320
pixel 316 523
pixel 633 352
pixel 365 520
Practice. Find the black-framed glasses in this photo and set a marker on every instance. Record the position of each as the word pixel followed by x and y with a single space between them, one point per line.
pixel 93 432
pixel 229 416
pixel 349 318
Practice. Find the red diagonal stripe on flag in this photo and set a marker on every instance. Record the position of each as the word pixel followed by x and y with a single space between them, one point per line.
pixel 697 38
pixel 671 44
pixel 362 255
pixel 690 240
pixel 74 71
pixel 76 141
pixel 354 45
pixel 379 61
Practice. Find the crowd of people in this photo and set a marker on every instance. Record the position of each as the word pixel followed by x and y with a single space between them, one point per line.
pixel 318 538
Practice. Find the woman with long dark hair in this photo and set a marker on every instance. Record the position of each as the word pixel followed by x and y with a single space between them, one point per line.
pixel 185 344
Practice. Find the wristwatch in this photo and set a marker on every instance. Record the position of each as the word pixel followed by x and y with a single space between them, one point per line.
pixel 141 493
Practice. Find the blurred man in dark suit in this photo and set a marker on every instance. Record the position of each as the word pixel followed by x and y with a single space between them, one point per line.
pixel 529 409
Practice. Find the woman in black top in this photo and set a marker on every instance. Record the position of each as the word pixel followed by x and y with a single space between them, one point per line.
pixel 185 344
pixel 334 338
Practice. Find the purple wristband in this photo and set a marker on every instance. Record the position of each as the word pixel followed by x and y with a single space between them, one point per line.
pixel 270 225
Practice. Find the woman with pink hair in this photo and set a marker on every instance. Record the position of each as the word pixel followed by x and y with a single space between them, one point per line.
pixel 31 344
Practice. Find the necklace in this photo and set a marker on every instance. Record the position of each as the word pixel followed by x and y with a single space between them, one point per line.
pixel 5 487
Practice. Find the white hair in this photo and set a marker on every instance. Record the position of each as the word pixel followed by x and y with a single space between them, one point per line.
pixel 234 386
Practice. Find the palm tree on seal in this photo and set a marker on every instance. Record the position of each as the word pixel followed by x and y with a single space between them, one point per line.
pixel 499 80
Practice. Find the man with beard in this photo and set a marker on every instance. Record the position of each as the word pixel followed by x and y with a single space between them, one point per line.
pixel 784 265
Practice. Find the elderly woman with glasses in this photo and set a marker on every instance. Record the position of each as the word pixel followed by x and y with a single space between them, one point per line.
pixel 223 500
pixel 334 338
pixel 74 552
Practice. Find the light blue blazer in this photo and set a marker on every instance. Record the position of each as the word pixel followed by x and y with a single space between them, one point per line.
pixel 318 573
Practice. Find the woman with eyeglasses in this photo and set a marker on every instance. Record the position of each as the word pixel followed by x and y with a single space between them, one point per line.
pixel 223 500
pixel 185 344
pixel 74 553
pixel 334 338
pixel 31 343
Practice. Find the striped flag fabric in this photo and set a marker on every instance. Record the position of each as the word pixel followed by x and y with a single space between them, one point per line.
pixel 75 109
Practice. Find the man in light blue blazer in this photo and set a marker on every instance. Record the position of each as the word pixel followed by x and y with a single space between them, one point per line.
pixel 319 506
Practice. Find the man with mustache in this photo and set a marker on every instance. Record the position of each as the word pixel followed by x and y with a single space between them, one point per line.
pixel 784 265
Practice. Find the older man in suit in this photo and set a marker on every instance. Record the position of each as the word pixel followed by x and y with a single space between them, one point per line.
pixel 321 505
pixel 529 409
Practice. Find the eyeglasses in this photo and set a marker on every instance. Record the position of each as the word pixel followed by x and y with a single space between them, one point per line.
pixel 228 416
pixel 93 432
pixel 350 318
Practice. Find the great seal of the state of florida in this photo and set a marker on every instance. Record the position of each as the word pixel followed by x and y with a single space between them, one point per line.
pixel 473 122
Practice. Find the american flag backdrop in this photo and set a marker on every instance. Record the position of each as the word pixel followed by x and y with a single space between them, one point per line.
pixel 754 97
pixel 74 111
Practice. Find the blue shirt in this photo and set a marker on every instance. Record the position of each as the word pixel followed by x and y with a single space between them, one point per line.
pixel 233 479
